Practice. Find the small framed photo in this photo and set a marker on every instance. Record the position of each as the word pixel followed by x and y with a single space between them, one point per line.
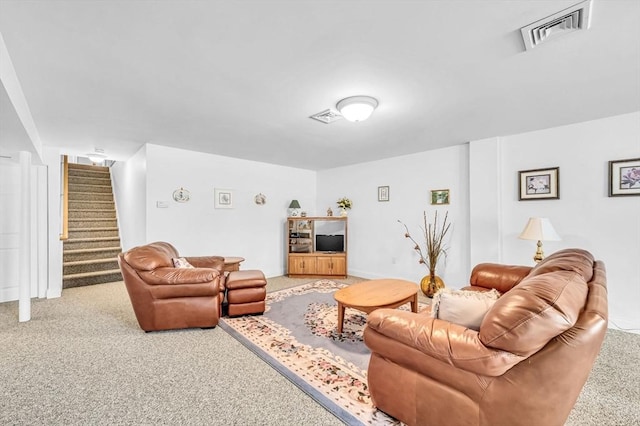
pixel 624 177
pixel 383 193
pixel 440 196
pixel 223 198
pixel 542 184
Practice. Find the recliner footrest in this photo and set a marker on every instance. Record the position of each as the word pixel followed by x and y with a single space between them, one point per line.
pixel 246 292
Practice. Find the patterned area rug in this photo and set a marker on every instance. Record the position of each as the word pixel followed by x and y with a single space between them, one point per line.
pixel 297 336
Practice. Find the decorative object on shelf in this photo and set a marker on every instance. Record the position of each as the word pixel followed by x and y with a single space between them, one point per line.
pixel 542 184
pixel 260 199
pixel 624 177
pixel 383 193
pixel 434 234
pixel 439 196
pixel 303 214
pixel 540 229
pixel 181 195
pixel 357 108
pixel 345 204
pixel 223 198
pixel 329 212
pixel 293 208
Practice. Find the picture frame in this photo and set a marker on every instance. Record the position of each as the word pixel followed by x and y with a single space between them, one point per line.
pixel 383 193
pixel 539 184
pixel 223 198
pixel 624 177
pixel 439 196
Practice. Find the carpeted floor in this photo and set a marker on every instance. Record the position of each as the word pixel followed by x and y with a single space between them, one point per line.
pixel 82 359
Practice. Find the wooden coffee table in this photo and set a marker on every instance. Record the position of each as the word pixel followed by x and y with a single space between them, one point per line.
pixel 368 296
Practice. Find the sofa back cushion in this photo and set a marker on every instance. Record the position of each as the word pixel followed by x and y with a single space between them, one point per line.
pixel 151 256
pixel 545 304
pixel 578 260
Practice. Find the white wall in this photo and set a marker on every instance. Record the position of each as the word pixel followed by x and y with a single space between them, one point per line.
pixel 255 232
pixel 584 216
pixel 377 246
pixel 129 181
pixel 52 160
pixel 487 216
pixel 18 238
pixel 9 228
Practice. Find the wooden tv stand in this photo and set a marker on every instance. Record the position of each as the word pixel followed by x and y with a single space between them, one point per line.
pixel 302 258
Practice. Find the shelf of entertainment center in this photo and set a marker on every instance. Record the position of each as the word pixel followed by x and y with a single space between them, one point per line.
pixel 316 246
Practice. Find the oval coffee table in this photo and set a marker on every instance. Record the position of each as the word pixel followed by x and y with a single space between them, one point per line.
pixel 368 296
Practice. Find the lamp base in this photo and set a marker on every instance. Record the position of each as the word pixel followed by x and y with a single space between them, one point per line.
pixel 539 253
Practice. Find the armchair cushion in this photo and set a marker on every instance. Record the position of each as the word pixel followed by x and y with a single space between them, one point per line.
pixel 463 307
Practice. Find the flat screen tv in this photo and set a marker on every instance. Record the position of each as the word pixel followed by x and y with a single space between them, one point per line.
pixel 330 243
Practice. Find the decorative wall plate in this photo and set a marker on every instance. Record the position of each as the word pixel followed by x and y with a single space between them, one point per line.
pixel 260 199
pixel 181 195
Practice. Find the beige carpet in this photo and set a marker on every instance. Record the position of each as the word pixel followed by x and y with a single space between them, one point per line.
pixel 82 359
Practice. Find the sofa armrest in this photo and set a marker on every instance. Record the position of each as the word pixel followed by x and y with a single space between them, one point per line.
pixel 164 276
pixel 447 342
pixel 501 277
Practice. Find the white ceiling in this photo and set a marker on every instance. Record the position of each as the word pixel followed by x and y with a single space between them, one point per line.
pixel 241 78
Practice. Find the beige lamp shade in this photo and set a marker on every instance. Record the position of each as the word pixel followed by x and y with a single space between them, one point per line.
pixel 540 229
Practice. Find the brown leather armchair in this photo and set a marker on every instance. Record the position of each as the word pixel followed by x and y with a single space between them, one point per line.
pixel 526 365
pixel 164 297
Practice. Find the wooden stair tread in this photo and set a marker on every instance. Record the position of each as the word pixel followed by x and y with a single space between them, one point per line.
pixel 91 274
pixel 92 250
pixel 92 239
pixel 90 261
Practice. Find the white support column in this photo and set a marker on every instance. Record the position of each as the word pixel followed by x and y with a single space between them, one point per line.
pixel 24 255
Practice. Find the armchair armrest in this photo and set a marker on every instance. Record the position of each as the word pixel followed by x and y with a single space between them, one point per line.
pixel 501 277
pixel 171 276
pixel 447 342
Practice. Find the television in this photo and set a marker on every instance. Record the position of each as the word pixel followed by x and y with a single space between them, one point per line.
pixel 330 243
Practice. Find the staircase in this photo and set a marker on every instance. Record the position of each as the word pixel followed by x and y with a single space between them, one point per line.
pixel 90 253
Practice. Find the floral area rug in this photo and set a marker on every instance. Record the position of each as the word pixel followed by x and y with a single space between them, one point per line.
pixel 297 336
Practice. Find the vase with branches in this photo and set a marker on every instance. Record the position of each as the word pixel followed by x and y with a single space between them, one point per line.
pixel 434 247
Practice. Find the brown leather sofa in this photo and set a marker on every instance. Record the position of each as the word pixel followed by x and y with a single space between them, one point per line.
pixel 525 366
pixel 164 297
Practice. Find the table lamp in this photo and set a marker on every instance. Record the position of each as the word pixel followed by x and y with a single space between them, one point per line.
pixel 293 208
pixel 540 229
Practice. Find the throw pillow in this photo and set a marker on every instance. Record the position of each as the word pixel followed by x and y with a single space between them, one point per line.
pixel 463 307
pixel 181 262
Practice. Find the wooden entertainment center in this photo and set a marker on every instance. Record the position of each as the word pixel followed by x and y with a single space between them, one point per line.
pixel 317 246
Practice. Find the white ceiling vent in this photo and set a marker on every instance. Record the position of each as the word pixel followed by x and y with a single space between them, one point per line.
pixel 327 116
pixel 575 18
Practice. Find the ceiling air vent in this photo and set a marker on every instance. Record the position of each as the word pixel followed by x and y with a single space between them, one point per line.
pixel 327 116
pixel 575 18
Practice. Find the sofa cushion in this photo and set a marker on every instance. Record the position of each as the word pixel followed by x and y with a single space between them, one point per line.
pixel 181 262
pixel 462 307
pixel 535 311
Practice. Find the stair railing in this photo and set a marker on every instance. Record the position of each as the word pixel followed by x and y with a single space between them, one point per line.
pixel 64 205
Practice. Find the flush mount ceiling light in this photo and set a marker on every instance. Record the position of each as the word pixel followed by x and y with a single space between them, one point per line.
pixel 357 108
pixel 97 157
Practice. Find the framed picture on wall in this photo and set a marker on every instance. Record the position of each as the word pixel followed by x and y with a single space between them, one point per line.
pixel 439 196
pixel 383 193
pixel 624 177
pixel 541 184
pixel 223 198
